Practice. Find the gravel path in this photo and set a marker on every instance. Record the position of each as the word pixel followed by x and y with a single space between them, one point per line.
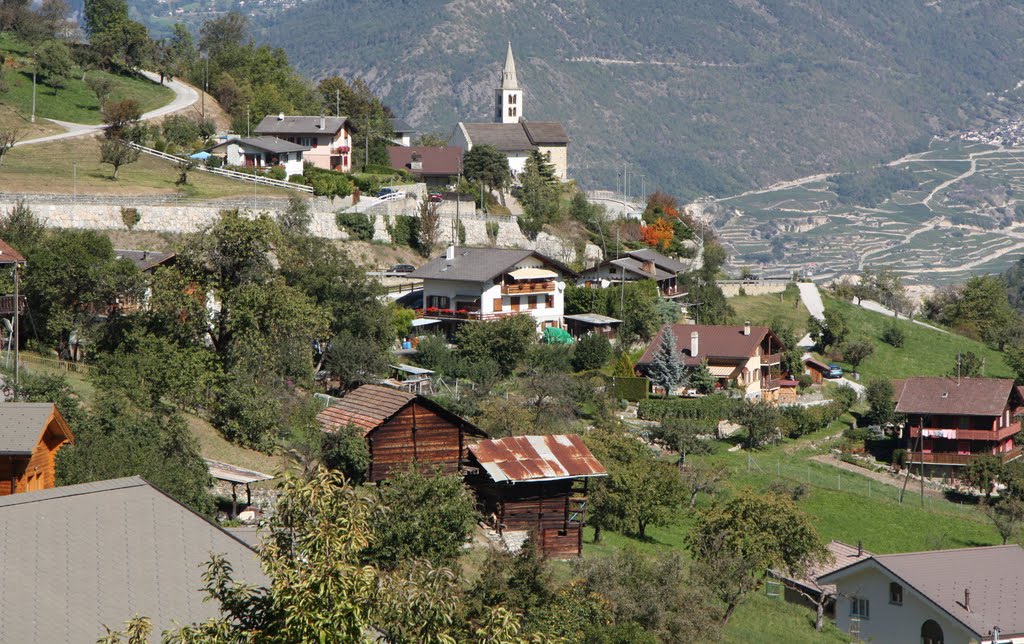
pixel 913 487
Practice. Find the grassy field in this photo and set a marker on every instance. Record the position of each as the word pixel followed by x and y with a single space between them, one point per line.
pixel 925 353
pixel 74 102
pixel 47 168
pixel 763 309
pixel 10 119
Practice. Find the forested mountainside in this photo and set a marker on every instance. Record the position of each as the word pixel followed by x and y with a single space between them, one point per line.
pixel 700 97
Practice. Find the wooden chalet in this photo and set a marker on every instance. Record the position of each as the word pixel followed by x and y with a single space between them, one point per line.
pixel 402 428
pixel 536 484
pixel 31 434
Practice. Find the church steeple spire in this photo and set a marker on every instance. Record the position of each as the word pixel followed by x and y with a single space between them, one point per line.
pixel 508 76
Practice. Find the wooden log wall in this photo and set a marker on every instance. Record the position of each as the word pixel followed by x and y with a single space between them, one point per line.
pixel 415 434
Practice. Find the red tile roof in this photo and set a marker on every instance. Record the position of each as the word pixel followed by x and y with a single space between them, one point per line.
pixel 723 342
pixel 367 407
pixel 536 458
pixel 437 161
pixel 946 396
pixel 8 255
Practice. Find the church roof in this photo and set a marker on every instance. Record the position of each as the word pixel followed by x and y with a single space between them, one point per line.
pixel 508 75
pixel 541 133
pixel 506 137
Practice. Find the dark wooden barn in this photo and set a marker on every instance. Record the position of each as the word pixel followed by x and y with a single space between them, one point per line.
pixel 402 428
pixel 536 484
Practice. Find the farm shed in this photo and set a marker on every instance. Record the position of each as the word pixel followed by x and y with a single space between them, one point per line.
pixel 31 434
pixel 234 476
pixel 402 428
pixel 536 484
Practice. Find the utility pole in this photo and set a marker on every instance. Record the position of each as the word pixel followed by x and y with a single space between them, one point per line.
pixel 247 108
pixel 206 81
pixel 74 179
pixel 33 119
pixel 366 159
pixel 17 315
pixel 337 101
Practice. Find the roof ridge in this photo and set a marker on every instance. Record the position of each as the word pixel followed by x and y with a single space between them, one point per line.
pixel 945 550
pixel 77 489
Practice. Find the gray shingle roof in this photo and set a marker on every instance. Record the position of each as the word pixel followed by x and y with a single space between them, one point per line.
pixel 994 575
pixel 401 127
pixel 78 557
pixel 21 425
pixel 661 261
pixel 301 125
pixel 479 264
pixel 636 267
pixel 143 259
pixel 545 133
pixel 268 143
pixel 506 137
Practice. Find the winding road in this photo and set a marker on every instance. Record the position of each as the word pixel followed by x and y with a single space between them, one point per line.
pixel 184 96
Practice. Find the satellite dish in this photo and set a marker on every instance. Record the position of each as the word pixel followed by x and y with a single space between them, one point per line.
pixel 561 287
pixel 605 283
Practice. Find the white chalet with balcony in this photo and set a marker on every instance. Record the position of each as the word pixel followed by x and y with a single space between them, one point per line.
pixel 489 283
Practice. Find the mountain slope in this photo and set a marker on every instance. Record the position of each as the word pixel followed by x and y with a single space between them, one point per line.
pixel 698 96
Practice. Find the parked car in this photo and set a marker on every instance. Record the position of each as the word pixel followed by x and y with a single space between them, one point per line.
pixel 435 197
pixel 403 268
pixel 834 371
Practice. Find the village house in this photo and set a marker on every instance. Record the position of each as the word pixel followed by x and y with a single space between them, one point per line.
pixel 263 153
pixel 79 557
pixel 634 266
pixel 328 139
pixel 31 434
pixel 938 597
pixel 514 136
pixel 402 428
pixel 535 486
pixel 950 421
pixel 805 589
pixel 747 357
pixel 436 167
pixel 489 283
pixel 403 132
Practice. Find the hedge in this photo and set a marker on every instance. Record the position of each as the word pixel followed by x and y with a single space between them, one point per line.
pixel 632 389
pixel 714 407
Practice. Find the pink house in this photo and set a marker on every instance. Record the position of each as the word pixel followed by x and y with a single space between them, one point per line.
pixel 328 138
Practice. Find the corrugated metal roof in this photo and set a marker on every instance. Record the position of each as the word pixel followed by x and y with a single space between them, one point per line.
pixel 366 407
pixel 947 396
pixel 21 425
pixel 234 473
pixel 78 557
pixel 536 458
pixel 592 318
pixel 993 574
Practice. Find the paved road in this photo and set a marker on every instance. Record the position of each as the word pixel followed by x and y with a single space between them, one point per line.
pixel 184 96
pixel 871 305
pixel 811 298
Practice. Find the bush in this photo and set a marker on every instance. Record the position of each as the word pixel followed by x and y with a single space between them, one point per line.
pixel 631 388
pixel 278 172
pixel 358 225
pixel 403 230
pixel 714 407
pixel 591 352
pixel 130 217
pixel 216 162
pixel 792 490
pixel 180 130
pixel 894 335
pixel 899 457
pixel 492 228
pixel 327 183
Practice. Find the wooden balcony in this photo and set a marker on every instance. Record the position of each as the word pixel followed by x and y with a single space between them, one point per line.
pixel 771 359
pixel 971 434
pixel 943 458
pixel 527 288
pixel 7 304
pixel 673 291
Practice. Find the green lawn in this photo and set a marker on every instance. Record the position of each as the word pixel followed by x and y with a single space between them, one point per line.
pixel 925 352
pixel 763 309
pixel 74 102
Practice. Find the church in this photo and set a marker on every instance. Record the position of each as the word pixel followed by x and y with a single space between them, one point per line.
pixel 511 133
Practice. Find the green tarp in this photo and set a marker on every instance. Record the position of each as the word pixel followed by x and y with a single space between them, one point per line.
pixel 554 335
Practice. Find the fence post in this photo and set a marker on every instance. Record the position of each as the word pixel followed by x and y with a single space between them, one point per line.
pixel 839 481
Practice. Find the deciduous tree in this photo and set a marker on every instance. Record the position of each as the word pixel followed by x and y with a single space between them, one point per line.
pixel 117 153
pixel 8 137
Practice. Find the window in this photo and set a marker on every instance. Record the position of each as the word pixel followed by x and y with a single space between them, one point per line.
pixel 437 302
pixel 510 111
pixel 895 594
pixel 860 607
pixel 532 299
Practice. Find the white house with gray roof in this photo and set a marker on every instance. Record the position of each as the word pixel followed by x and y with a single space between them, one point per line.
pixel 262 152
pixel 490 283
pixel 79 557
pixel 939 597
pixel 328 139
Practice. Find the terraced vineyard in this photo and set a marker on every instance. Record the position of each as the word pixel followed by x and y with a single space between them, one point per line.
pixel 964 217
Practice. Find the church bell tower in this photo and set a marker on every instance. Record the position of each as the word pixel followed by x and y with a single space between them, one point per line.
pixel 508 98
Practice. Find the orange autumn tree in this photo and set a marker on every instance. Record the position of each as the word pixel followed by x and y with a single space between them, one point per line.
pixel 658 235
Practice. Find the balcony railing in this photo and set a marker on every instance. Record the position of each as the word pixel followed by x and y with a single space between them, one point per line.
pixel 672 291
pixel 771 358
pixel 453 314
pixel 944 458
pixel 970 434
pixel 528 287
pixel 771 383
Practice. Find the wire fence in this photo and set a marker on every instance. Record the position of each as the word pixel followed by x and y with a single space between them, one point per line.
pixel 32 361
pixel 822 476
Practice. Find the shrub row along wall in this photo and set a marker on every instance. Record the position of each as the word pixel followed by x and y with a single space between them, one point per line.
pixel 711 408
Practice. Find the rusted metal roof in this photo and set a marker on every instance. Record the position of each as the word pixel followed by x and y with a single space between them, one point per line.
pixel 366 407
pixel 536 458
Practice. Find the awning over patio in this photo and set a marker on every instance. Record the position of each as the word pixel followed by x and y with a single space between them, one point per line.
pixel 721 372
pixel 532 274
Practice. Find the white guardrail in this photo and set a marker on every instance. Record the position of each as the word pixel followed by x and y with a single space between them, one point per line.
pixel 231 174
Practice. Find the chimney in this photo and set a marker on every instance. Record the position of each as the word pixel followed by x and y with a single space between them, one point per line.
pixel 746 328
pixel 860 548
pixel 450 253
pixel 649 267
pixel 323 123
pixel 280 116
pixel 694 344
pixel 967 599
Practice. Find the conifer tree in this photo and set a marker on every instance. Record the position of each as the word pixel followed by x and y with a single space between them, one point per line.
pixel 666 369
